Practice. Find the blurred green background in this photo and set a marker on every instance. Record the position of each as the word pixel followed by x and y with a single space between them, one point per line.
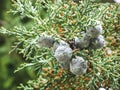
pixel 9 62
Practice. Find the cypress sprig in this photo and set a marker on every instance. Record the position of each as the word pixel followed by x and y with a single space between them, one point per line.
pixel 64 20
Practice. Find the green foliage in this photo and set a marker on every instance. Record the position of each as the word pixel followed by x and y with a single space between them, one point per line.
pixel 9 62
pixel 64 19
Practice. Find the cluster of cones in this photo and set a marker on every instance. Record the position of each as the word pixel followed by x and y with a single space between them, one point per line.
pixel 63 53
